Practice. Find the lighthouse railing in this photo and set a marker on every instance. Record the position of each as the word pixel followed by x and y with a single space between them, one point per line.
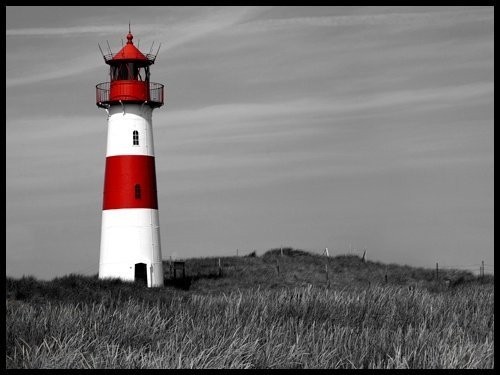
pixel 102 92
pixel 156 92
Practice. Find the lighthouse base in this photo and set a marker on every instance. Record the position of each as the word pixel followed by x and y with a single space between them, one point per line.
pixel 130 246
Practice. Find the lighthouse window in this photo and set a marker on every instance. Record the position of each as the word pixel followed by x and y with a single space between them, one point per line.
pixel 137 191
pixel 129 71
pixel 135 138
pixel 122 72
pixel 132 71
pixel 143 73
pixel 118 73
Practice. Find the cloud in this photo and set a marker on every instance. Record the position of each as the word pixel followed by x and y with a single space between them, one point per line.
pixel 231 116
pixel 252 144
pixel 184 31
pixel 82 65
pixel 405 19
pixel 65 31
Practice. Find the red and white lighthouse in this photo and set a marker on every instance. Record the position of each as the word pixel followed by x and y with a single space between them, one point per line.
pixel 130 233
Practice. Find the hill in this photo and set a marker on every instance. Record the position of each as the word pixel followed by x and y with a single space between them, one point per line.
pixel 273 311
pixel 287 268
pixel 275 269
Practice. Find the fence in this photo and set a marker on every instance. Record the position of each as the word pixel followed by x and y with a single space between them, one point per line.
pixel 478 269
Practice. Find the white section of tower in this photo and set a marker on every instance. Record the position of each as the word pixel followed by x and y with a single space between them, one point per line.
pixel 130 235
pixel 122 122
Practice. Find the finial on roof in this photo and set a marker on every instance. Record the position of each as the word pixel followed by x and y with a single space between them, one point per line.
pixel 129 36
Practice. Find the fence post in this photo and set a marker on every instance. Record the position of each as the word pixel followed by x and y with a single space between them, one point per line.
pixel 386 278
pixel 170 266
pixel 364 256
pixel 281 251
pixel 220 269
pixel 278 267
pixel 437 272
pixel 326 272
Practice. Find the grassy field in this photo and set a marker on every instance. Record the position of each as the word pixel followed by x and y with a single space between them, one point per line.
pixel 315 312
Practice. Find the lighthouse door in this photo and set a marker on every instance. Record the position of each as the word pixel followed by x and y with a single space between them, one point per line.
pixel 140 275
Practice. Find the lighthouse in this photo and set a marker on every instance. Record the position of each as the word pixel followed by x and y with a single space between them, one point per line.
pixel 130 228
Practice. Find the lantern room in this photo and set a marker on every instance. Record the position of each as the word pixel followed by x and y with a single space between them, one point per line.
pixel 129 78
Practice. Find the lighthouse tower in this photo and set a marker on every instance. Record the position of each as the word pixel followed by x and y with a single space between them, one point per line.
pixel 130 233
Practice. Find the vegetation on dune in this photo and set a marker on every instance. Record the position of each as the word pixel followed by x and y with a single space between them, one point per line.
pixel 254 316
pixel 300 268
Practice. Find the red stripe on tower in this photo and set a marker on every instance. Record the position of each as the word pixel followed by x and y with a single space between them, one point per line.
pixel 130 182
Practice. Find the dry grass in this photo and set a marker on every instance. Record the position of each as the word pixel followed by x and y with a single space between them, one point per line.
pixel 82 322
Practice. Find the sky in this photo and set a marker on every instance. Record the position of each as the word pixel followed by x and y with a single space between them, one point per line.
pixel 307 127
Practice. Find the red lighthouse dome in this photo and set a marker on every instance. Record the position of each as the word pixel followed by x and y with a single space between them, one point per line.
pixel 130 78
pixel 129 52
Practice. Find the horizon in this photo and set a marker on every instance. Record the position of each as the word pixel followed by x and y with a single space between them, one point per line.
pixel 356 253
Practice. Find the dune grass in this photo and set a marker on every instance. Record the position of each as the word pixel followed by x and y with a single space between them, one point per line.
pixel 294 319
